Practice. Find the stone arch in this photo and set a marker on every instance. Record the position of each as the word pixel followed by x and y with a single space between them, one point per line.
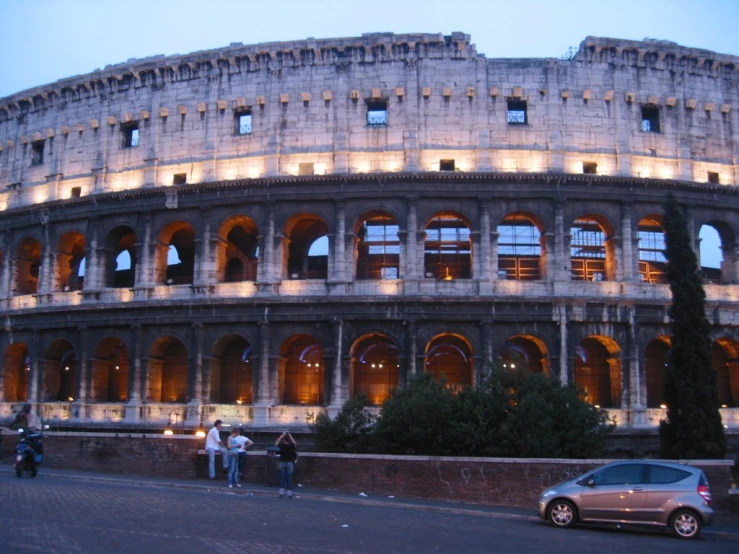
pixel 598 370
pixel 447 247
pixel 237 253
pixel 725 360
pixel 449 356
pixel 27 264
pixel 232 369
pixel 60 373
pixel 521 247
pixel 528 350
pixel 301 260
pixel 717 249
pixel 374 367
pixel 377 246
pixel 656 361
pixel 70 262
pixel 120 258
pixel 16 371
pixel 592 249
pixel 110 371
pixel 175 254
pixel 301 371
pixel 167 371
pixel 651 247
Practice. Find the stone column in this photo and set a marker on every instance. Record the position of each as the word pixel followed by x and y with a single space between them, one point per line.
pixel 196 383
pixel 410 346
pixel 629 246
pixel 337 399
pixel 37 368
pixel 144 270
pixel 634 391
pixel 561 318
pixel 486 357
pixel 135 377
pixel 559 268
pixel 5 273
pixel 205 263
pixel 264 395
pixel 484 257
pixel 46 271
pixel 337 267
pixel 267 247
pixel 410 269
pixel 93 265
pixel 84 373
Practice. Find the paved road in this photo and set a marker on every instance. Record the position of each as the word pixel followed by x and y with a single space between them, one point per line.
pixel 69 516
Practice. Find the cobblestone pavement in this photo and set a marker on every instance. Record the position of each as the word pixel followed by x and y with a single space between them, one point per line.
pixel 68 516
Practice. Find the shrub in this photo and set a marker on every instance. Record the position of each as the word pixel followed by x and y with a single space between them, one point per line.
pixel 351 431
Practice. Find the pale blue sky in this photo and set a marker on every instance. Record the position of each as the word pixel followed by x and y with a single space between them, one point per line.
pixel 46 40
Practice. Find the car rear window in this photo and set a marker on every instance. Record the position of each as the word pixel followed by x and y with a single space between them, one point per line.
pixel 663 474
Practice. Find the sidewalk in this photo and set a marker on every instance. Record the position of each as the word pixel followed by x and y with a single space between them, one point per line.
pixel 721 530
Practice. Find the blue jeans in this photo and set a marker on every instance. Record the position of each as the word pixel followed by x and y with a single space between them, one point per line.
pixel 212 461
pixel 286 475
pixel 233 468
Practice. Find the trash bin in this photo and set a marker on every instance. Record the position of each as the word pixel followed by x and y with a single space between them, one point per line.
pixel 272 468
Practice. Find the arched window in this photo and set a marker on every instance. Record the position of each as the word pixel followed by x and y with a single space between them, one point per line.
pixel 519 249
pixel 27 265
pixel 110 372
pixel 70 259
pixel 308 249
pixel 240 252
pixel 167 371
pixel 447 249
pixel 16 369
pixel 120 258
pixel 725 356
pixel 232 372
pixel 651 251
pixel 60 373
pixel 449 358
pixel 656 359
pixel 304 371
pixel 374 368
pixel 587 250
pixel 598 371
pixel 527 352
pixel 378 248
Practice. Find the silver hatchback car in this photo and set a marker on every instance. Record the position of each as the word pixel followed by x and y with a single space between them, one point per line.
pixel 642 492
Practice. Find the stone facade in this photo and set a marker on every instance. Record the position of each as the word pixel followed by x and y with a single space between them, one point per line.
pixel 163 220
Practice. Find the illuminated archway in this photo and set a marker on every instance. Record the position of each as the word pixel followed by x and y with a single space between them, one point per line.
pixel 447 248
pixel 449 358
pixel 304 371
pixel 167 371
pixel 652 261
pixel 598 371
pixel 378 248
pixel 520 248
pixel 232 371
pixel 725 359
pixel 656 360
pixel 374 368
pixel 16 370
pixel 70 262
pixel 119 260
pixel 60 373
pixel 27 265
pixel 526 350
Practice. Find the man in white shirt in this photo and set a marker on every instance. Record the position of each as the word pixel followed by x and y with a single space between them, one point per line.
pixel 244 442
pixel 212 443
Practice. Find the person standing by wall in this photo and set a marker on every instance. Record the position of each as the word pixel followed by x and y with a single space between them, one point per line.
pixel 288 456
pixel 234 447
pixel 212 443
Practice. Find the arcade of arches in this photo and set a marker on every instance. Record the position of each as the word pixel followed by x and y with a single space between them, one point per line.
pixel 301 373
pixel 307 248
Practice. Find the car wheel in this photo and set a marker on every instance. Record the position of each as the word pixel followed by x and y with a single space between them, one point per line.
pixel 562 513
pixel 686 524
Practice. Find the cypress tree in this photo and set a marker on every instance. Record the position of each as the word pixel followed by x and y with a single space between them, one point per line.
pixel 693 427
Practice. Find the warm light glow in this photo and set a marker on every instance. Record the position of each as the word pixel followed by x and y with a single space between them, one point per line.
pixel 663 406
pixel 724 406
pixel 597 406
pixel 70 399
pixel 448 277
pixel 364 167
pixel 239 402
pixel 667 173
pixel 66 368
pixel 41 195
pixel 200 434
pixel 168 432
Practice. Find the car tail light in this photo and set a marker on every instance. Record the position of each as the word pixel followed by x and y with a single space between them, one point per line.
pixel 705 492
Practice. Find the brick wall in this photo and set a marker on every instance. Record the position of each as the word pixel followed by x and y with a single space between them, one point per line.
pixel 493 481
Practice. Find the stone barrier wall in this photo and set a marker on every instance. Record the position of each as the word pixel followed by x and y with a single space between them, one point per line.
pixel 490 481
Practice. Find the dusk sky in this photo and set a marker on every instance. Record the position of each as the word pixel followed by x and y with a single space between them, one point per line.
pixel 47 40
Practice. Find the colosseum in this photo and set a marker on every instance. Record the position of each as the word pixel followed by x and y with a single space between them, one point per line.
pixel 260 233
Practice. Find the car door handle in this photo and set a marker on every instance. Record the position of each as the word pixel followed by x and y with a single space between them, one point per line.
pixel 636 489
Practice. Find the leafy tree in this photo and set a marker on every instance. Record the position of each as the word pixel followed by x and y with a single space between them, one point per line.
pixel 693 427
pixel 351 431
pixel 546 419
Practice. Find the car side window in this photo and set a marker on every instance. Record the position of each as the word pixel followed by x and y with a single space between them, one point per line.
pixel 626 474
pixel 663 475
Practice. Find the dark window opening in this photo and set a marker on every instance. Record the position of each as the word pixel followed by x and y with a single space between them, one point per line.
pixel 76 192
pixel 243 123
pixel 130 135
pixel 650 119
pixel 378 249
pixel 519 250
pixel 587 251
pixel 517 114
pixel 377 114
pixel 589 168
pixel 37 153
pixel 179 179
pixel 305 169
pixel 446 165
pixel 652 261
pixel 713 178
pixel 447 249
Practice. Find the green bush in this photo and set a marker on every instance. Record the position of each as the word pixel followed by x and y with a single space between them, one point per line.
pixel 513 413
pixel 351 431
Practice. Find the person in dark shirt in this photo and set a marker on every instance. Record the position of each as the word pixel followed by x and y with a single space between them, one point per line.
pixel 288 455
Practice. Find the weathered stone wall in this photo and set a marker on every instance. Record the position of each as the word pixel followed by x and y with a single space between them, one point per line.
pixel 309 100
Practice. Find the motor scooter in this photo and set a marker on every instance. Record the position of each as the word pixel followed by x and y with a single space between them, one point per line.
pixel 29 454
